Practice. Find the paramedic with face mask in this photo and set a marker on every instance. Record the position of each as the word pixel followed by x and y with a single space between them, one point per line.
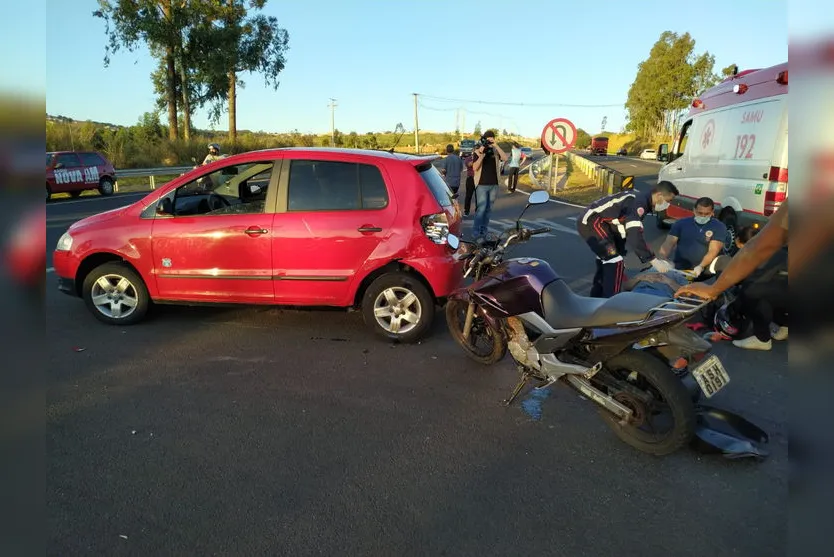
pixel 696 240
pixel 615 222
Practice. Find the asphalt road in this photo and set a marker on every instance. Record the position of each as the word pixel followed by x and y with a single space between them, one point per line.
pixel 266 431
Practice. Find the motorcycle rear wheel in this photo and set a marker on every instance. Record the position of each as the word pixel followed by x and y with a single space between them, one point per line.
pixel 493 347
pixel 650 376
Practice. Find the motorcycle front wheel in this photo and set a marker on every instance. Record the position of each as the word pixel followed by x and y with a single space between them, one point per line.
pixel 484 345
pixel 663 415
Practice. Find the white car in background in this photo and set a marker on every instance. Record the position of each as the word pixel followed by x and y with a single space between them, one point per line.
pixel 649 154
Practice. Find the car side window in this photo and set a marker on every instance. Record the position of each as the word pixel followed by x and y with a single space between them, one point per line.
pixel 684 138
pixel 335 186
pixel 91 159
pixel 231 190
pixel 66 160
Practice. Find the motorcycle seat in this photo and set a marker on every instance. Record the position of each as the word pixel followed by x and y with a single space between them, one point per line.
pixel 564 309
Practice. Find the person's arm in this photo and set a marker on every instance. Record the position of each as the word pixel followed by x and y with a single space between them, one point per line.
pixel 501 154
pixel 478 161
pixel 759 249
pixel 714 250
pixel 668 246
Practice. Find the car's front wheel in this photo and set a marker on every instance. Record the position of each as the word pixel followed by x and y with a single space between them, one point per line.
pixel 116 294
pixel 399 307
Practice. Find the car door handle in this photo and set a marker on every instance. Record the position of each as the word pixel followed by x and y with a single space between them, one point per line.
pixel 369 229
pixel 255 231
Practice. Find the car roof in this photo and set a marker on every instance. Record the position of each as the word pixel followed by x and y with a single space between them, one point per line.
pixel 378 153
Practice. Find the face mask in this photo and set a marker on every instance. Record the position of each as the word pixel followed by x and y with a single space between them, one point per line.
pixel 662 206
pixel 702 220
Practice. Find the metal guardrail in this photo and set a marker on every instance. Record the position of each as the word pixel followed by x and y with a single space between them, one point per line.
pixel 540 169
pixel 608 179
pixel 150 173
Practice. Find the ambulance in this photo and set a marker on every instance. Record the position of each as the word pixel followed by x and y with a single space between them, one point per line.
pixel 733 148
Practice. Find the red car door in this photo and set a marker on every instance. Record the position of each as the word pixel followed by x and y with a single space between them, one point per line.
pixel 339 215
pixel 212 238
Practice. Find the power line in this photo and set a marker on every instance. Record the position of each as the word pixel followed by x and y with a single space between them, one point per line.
pixel 538 105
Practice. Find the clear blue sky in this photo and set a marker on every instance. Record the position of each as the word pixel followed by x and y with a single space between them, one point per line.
pixel 372 55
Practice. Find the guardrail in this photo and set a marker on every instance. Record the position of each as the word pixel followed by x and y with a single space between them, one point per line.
pixel 607 179
pixel 151 173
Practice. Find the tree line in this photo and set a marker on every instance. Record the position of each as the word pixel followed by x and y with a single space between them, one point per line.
pixel 202 47
pixel 667 82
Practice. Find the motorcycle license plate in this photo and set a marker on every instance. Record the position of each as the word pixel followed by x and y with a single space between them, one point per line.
pixel 711 376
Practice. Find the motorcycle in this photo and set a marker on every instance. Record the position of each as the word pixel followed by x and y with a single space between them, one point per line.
pixel 615 352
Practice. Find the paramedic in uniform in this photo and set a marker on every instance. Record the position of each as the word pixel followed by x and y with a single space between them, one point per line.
pixel 697 240
pixel 615 222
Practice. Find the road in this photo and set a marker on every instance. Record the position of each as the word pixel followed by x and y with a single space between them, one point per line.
pixel 255 431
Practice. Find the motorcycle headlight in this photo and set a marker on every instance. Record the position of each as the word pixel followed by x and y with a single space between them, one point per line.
pixel 64 242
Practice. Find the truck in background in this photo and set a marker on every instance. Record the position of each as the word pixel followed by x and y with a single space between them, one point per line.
pixel 599 146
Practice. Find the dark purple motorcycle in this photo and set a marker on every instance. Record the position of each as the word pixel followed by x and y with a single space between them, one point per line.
pixel 616 352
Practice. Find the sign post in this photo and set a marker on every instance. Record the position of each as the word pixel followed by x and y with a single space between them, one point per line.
pixel 558 136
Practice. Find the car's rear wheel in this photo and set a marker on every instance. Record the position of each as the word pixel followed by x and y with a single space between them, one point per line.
pixel 399 307
pixel 116 294
pixel 106 186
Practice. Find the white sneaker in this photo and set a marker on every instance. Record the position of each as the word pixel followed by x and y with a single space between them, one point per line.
pixel 778 333
pixel 753 343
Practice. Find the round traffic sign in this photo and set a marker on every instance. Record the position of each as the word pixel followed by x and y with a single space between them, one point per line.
pixel 559 135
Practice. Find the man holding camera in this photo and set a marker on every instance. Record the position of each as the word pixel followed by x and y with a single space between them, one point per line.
pixel 487 166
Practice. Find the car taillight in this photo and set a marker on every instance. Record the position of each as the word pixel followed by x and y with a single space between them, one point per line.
pixel 778 190
pixel 436 227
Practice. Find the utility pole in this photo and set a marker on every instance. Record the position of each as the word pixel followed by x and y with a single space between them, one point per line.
pixel 604 121
pixel 463 122
pixel 332 106
pixel 416 127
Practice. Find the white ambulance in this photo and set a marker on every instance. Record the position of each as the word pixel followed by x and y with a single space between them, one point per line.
pixel 733 148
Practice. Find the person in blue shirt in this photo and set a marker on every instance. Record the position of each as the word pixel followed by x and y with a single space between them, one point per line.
pixel 451 167
pixel 696 240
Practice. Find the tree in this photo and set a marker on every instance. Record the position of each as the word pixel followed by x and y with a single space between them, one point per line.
pixel 239 42
pixel 477 130
pixel 666 82
pixel 165 27
pixel 583 139
pixel 729 71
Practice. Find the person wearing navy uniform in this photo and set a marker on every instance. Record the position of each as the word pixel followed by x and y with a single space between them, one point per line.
pixel 696 240
pixel 614 223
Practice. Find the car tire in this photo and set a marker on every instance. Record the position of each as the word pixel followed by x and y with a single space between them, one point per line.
pixel 124 289
pixel 48 192
pixel 398 322
pixel 106 186
pixel 729 218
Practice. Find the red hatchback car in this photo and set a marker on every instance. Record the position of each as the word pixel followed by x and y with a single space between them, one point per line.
pixel 75 171
pixel 297 227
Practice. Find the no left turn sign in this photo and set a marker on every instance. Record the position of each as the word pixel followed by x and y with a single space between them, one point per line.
pixel 559 135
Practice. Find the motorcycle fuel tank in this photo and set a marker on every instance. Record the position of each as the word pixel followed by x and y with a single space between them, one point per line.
pixel 515 286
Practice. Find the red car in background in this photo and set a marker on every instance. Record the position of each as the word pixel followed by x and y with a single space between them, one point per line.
pixel 296 227
pixel 76 171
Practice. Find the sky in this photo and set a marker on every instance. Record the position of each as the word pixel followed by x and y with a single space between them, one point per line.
pixel 372 55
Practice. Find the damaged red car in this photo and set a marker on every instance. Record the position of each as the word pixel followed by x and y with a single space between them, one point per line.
pixel 296 227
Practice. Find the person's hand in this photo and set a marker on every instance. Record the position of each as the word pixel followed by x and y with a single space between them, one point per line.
pixel 698 290
pixel 697 271
pixel 661 265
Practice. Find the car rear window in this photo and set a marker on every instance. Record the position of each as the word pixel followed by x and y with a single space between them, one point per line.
pixel 441 192
pixel 91 159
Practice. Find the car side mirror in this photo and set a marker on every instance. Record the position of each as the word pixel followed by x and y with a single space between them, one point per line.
pixel 663 152
pixel 538 197
pixel 453 241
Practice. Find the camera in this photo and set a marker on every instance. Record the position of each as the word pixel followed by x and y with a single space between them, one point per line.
pixel 488 150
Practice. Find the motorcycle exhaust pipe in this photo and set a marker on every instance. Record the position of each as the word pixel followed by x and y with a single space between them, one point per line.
pixel 582 385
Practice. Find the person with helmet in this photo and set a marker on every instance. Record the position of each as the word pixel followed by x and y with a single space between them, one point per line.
pixel 213 154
